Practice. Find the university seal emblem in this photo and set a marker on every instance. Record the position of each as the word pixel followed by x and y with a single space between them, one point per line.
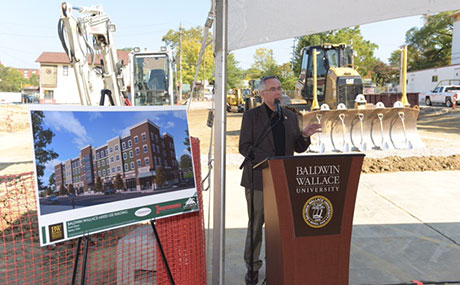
pixel 317 211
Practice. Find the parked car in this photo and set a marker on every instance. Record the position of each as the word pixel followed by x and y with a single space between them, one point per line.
pixel 52 199
pixel 446 95
pixel 109 191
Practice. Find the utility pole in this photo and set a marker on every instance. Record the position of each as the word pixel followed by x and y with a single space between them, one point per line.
pixel 180 62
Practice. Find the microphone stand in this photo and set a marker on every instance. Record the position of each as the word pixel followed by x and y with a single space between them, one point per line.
pixel 250 158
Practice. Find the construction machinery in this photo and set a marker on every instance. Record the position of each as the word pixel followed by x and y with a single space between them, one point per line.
pixel 328 77
pixel 90 38
pixel 235 99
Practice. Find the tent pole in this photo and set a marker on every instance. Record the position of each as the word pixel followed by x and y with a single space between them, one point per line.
pixel 221 50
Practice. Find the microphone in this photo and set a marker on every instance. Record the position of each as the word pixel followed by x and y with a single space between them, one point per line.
pixel 278 108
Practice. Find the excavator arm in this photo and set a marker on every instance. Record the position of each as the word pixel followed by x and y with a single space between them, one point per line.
pixel 84 39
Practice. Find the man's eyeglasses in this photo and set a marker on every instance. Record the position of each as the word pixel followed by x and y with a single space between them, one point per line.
pixel 273 89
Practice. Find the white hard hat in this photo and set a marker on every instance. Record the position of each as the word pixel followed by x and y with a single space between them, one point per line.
pixel 360 99
pixel 379 105
pixel 341 106
pixel 398 104
pixel 325 107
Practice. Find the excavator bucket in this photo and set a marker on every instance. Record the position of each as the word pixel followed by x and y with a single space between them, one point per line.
pixel 364 129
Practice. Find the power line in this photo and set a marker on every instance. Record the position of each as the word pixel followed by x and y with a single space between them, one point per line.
pixel 24 35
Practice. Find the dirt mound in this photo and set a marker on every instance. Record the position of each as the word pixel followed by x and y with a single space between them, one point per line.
pixel 396 163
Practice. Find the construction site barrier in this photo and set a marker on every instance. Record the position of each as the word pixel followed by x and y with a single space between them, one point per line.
pixel 388 99
pixel 128 255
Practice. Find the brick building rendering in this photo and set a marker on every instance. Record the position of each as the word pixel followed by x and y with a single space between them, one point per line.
pixel 144 159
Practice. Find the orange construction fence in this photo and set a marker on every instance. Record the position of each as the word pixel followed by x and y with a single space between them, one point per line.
pixel 127 255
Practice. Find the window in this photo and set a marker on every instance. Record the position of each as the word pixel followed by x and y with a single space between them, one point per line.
pixel 144 137
pixel 151 136
pixel 158 148
pixel 113 170
pixel 434 78
pixel 118 157
pixel 111 159
pixel 111 149
pixel 125 156
pixel 116 147
pixel 65 70
pixel 136 139
pixel 49 94
pixel 155 159
pixel 26 74
pixel 108 171
pixel 103 162
pixel 106 152
pixel 138 163
pixel 98 156
pixel 103 172
pixel 153 148
pixel 132 165
pixel 147 161
pixel 137 151
pixel 159 161
pixel 145 148
pixel 99 164
pixel 130 144
pixel 123 145
pixel 118 168
pixel 126 167
pixel 99 172
pixel 131 154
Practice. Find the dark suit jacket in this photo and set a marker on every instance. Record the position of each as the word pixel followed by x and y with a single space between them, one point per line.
pixel 252 125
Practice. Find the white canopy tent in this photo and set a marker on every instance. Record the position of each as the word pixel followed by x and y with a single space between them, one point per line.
pixel 243 23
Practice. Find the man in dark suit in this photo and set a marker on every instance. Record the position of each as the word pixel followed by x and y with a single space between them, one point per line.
pixel 284 139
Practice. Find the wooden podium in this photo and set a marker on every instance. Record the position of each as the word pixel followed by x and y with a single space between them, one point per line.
pixel 309 203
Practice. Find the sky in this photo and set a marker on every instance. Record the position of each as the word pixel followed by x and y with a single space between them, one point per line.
pixel 74 130
pixel 28 28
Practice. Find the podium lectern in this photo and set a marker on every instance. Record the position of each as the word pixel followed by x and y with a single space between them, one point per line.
pixel 309 203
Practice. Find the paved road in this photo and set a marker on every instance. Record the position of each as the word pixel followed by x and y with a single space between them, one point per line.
pixel 65 203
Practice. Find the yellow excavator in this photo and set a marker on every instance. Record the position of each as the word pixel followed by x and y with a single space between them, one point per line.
pixel 328 77
pixel 235 100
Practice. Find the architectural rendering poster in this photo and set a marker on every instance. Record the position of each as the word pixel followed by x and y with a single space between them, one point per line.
pixel 101 168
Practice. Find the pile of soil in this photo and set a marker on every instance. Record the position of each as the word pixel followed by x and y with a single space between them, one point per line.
pixel 396 163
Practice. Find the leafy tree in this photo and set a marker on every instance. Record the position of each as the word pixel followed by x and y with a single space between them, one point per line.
pixel 161 176
pixel 186 162
pixel 42 137
pixel 34 80
pixel 11 79
pixel 428 46
pixel 49 191
pixel 287 76
pixel 98 185
pixel 234 73
pixel 71 189
pixel 383 73
pixel 365 59
pixel 191 45
pixel 264 64
pixel 118 182
pixel 52 179
pixel 63 190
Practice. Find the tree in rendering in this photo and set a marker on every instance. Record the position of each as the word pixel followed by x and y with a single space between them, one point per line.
pixel 71 189
pixel 160 178
pixel 42 138
pixel 62 190
pixel 98 185
pixel 118 182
